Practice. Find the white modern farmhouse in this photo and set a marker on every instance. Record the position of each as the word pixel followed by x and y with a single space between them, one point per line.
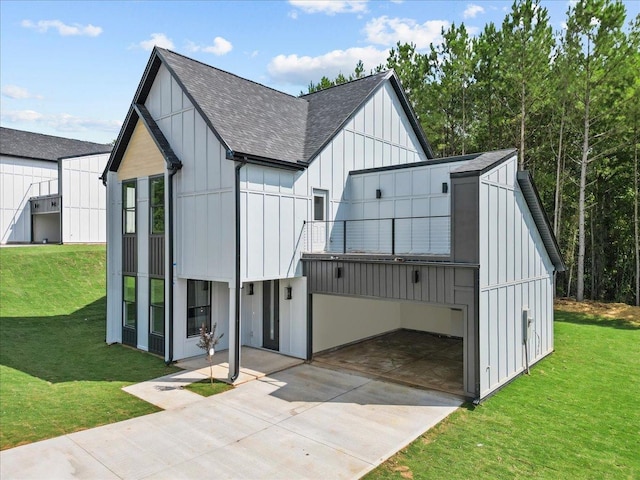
pixel 51 190
pixel 302 224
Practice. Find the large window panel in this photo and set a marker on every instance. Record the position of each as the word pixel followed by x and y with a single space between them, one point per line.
pixel 156 317
pixel 198 306
pixel 129 206
pixel 157 205
pixel 129 301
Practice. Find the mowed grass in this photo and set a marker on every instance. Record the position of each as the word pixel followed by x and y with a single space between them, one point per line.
pixel 57 374
pixel 577 416
pixel 206 388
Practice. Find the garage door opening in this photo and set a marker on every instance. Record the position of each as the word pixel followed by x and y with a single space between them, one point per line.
pixel 411 343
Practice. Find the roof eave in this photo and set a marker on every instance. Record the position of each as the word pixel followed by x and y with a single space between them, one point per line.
pixel 532 197
pixel 411 114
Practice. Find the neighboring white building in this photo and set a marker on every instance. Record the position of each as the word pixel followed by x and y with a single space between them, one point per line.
pixel 300 224
pixel 51 189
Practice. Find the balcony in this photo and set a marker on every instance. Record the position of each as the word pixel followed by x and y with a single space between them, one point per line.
pixel 380 236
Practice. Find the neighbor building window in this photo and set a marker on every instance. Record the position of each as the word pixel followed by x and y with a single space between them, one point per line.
pixel 129 301
pixel 156 315
pixel 129 206
pixel 157 205
pixel 198 306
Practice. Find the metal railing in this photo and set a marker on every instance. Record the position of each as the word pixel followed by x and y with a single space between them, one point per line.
pixel 391 236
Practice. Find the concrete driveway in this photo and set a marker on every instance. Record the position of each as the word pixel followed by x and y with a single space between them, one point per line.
pixel 304 422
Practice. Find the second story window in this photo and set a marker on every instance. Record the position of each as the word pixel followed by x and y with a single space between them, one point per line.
pixel 157 205
pixel 129 206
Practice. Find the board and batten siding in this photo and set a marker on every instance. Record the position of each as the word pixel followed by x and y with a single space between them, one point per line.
pixel 114 259
pixel 204 198
pixel 406 192
pixel 515 273
pixel 84 202
pixel 275 203
pixel 22 178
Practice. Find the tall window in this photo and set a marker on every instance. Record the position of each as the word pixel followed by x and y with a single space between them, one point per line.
pixel 129 206
pixel 129 301
pixel 198 306
pixel 156 315
pixel 157 205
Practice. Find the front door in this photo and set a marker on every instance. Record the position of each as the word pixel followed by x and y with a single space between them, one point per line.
pixel 271 315
pixel 319 225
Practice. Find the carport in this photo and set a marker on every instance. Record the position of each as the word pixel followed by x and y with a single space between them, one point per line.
pixel 413 322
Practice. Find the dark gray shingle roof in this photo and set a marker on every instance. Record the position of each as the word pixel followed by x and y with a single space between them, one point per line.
pixel 483 162
pixel 250 118
pixel 18 143
pixel 330 108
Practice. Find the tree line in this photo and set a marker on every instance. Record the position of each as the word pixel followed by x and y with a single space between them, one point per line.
pixel 569 101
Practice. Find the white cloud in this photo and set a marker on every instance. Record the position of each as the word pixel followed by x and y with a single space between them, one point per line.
pixel 388 31
pixel 220 46
pixel 65 30
pixel 18 93
pixel 157 39
pixel 62 122
pixel 299 70
pixel 472 10
pixel 330 7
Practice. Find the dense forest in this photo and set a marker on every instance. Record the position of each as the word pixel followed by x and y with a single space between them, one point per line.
pixel 569 101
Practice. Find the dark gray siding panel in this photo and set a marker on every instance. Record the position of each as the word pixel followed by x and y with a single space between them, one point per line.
pixel 464 219
pixel 156 255
pixel 129 254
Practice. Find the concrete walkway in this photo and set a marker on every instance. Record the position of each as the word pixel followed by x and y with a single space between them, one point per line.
pixel 168 392
pixel 303 422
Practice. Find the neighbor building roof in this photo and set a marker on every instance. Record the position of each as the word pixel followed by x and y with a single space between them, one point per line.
pixel 257 122
pixel 19 143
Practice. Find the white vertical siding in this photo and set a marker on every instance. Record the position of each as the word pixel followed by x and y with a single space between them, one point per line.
pixel 21 179
pixel 83 199
pixel 142 238
pixel 114 259
pixel 515 273
pixel 276 202
pixel 205 226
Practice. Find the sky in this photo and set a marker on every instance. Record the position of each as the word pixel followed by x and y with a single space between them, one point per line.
pixel 71 69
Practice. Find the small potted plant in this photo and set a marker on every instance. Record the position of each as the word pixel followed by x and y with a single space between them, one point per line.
pixel 207 342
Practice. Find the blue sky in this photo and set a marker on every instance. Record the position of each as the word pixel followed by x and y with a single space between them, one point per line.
pixel 71 68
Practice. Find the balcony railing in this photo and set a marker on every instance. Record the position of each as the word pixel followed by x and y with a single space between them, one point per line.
pixel 387 236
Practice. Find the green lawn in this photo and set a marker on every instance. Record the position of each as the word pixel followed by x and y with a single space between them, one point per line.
pixel 206 389
pixel 576 416
pixel 57 375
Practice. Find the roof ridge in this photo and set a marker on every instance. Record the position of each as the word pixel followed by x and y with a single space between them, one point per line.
pixel 54 136
pixel 228 73
pixel 383 73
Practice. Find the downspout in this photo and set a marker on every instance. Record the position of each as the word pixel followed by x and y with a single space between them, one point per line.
pixel 173 169
pixel 236 359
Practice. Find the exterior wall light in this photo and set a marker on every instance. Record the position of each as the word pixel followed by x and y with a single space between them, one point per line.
pixel 338 272
pixel 288 293
pixel 416 276
pixel 445 187
pixel 250 292
pixel 378 193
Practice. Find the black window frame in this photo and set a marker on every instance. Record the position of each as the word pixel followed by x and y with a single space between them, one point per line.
pixel 127 303
pixel 196 311
pixel 129 209
pixel 156 205
pixel 156 307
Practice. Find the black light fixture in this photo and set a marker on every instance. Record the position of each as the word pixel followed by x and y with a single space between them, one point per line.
pixel 250 292
pixel 287 292
pixel 338 272
pixel 416 276
pixel 445 187
pixel 378 193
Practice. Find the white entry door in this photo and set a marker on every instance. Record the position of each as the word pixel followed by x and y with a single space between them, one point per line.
pixel 319 228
